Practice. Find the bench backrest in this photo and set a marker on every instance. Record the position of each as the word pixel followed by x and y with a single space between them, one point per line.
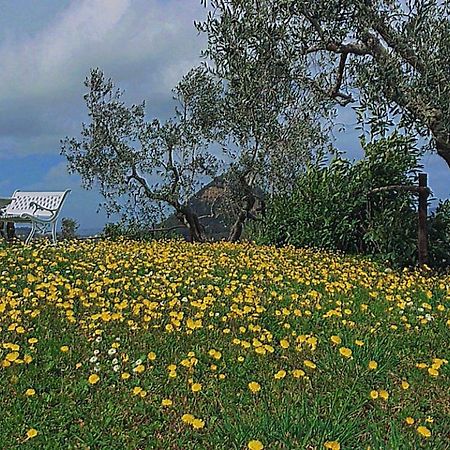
pixel 21 203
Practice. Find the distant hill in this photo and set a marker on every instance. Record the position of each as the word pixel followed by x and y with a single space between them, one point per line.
pixel 201 204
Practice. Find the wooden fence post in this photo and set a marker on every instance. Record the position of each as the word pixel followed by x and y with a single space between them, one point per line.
pixel 423 213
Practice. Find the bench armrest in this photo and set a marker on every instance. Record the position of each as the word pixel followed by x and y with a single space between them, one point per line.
pixel 37 206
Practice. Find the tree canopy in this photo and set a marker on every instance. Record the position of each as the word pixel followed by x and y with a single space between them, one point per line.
pixel 142 167
pixel 389 58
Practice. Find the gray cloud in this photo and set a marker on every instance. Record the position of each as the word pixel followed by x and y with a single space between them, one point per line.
pixel 46 52
pixel 145 46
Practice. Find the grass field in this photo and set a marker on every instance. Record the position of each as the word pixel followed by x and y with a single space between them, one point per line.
pixel 168 345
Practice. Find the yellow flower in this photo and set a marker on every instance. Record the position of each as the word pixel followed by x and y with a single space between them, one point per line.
pixel 254 386
pixel 31 433
pixel 284 343
pixel 198 423
pixel 30 392
pixel 373 365
pixel 12 356
pixel 335 340
pixel 93 378
pixel 32 340
pixel 437 363
pixel 27 359
pixel 297 373
pixel 280 375
pixel 137 390
pixel 384 394
pixel 359 343
pixel 345 352
pixel 424 431
pixel 405 385
pixel 433 372
pixel 373 394
pixel 409 420
pixel 309 364
pixel 187 418
pixel 255 445
pixel 196 387
pixel 64 348
pixel 125 376
pixel 151 356
pixel 333 445
pixel 166 402
pixel 139 369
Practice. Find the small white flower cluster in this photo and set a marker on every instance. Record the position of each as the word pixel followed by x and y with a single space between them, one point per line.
pixel 95 360
pixel 111 352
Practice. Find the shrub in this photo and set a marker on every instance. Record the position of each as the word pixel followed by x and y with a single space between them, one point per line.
pixel 331 206
pixel 439 235
pixel 69 228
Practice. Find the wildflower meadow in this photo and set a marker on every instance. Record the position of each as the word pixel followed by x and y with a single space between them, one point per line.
pixel 171 345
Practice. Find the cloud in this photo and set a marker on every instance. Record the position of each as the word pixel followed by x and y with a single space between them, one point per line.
pixel 144 45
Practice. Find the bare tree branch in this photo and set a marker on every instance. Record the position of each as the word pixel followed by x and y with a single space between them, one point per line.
pixel 213 214
pixel 412 189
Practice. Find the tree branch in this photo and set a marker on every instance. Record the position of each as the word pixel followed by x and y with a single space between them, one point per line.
pixel 213 214
pixel 335 91
pixel 148 191
pixel 393 39
pixel 412 189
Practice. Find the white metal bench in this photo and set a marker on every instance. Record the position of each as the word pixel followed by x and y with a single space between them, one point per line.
pixel 41 209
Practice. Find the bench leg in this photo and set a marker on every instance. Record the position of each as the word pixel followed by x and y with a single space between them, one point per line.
pixel 54 232
pixel 32 233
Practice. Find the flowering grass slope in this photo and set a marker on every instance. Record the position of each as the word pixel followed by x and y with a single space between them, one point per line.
pixel 169 345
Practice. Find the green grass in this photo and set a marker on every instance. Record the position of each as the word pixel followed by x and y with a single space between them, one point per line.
pixel 147 293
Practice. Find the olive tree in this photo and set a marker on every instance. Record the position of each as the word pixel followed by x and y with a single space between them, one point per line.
pixel 271 124
pixel 146 168
pixel 390 56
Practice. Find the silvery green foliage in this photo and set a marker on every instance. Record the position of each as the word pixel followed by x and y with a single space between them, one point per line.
pixel 146 168
pixel 272 121
pixel 390 58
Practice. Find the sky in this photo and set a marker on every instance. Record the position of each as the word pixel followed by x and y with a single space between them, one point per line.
pixel 48 47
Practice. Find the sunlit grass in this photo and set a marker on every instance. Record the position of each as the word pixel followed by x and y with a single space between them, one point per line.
pixel 219 346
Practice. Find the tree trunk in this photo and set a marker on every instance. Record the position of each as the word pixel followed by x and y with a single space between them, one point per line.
pixel 238 226
pixel 190 219
pixel 443 150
